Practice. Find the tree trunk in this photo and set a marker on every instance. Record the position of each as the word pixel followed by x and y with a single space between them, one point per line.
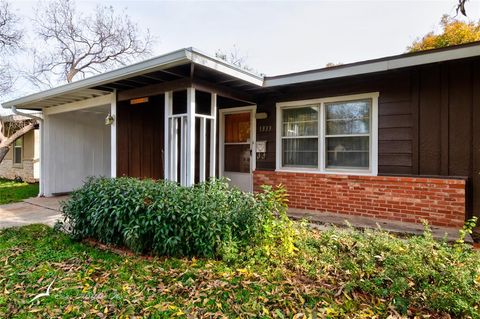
pixel 3 152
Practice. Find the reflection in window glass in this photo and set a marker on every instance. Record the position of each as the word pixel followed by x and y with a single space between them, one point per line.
pixel 347 134
pixel 300 152
pixel 348 152
pixel 300 136
pixel 301 121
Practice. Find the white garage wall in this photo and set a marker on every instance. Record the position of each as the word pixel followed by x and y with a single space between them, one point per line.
pixel 77 145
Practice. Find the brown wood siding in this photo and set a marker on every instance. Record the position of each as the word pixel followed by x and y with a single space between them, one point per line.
pixel 140 138
pixel 429 119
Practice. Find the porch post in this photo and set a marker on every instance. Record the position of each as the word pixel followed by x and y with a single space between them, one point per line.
pixel 213 135
pixel 113 136
pixel 167 153
pixel 190 145
pixel 203 137
pixel 41 176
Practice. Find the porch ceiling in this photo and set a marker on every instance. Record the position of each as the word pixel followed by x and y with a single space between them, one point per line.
pixel 64 99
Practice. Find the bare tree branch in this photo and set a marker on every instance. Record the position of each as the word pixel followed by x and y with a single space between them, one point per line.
pixel 82 45
pixel 235 57
pixel 461 7
pixel 10 41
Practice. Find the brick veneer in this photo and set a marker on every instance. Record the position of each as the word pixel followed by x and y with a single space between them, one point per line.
pixel 406 199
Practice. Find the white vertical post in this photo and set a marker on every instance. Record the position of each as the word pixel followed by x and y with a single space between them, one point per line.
pixel 167 137
pixel 213 135
pixel 41 176
pixel 203 151
pixel 182 151
pixel 174 150
pixel 190 141
pixel 113 136
pixel 46 177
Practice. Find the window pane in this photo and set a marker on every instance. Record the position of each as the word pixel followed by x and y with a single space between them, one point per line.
pixel 19 141
pixel 237 128
pixel 300 152
pixel 347 152
pixel 17 156
pixel 237 158
pixel 301 121
pixel 351 117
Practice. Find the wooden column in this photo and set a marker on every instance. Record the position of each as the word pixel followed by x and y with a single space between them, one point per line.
pixel 190 139
pixel 213 135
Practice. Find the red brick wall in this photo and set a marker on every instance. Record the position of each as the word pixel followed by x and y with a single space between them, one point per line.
pixel 406 199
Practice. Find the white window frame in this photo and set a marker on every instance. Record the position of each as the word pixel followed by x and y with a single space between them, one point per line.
pixel 373 152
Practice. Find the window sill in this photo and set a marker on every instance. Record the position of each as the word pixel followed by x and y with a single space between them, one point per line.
pixel 326 172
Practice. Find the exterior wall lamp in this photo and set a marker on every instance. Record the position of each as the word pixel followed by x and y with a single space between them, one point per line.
pixel 109 119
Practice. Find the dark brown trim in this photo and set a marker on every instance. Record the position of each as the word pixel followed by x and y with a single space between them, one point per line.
pixel 224 91
pixel 154 89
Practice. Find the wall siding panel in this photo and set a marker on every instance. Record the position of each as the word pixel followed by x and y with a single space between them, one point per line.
pixel 429 119
pixel 140 139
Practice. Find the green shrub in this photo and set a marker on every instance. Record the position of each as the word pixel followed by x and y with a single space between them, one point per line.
pixel 210 219
pixel 408 274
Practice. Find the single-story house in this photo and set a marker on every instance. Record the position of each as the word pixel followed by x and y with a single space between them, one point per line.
pixel 395 138
pixel 23 159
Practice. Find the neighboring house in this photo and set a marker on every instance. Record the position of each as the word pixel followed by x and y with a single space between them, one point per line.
pixel 23 159
pixel 395 138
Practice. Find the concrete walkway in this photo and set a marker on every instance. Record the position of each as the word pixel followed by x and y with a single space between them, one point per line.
pixel 35 210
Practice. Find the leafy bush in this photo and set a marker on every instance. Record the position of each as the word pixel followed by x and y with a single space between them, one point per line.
pixel 409 274
pixel 160 217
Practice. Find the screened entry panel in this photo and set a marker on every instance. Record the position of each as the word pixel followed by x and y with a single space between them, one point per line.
pixel 237 146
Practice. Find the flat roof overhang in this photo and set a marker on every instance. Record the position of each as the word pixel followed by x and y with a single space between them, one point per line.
pixel 165 68
pixel 377 65
pixel 182 64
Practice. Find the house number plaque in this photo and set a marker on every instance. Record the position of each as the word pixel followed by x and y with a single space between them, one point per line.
pixel 264 128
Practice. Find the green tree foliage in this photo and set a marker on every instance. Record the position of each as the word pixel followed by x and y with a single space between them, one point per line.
pixel 454 32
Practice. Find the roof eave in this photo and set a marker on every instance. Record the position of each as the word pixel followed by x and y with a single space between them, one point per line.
pixel 164 61
pixel 373 66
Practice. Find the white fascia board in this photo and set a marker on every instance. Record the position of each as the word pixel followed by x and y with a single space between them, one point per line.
pixel 375 66
pixel 80 105
pixel 150 65
pixel 221 66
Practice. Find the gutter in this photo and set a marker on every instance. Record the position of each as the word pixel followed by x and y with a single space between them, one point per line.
pixel 40 122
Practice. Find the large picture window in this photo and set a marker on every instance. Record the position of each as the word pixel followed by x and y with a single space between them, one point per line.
pixel 332 134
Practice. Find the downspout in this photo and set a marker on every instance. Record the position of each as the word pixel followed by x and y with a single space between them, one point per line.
pixel 40 123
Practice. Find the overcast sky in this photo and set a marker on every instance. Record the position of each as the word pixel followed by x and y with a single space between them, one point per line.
pixel 288 36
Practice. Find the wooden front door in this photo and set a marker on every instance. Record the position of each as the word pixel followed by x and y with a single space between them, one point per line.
pixel 140 138
pixel 237 148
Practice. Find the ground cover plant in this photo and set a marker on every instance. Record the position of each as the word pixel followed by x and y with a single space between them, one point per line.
pixel 14 191
pixel 287 271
